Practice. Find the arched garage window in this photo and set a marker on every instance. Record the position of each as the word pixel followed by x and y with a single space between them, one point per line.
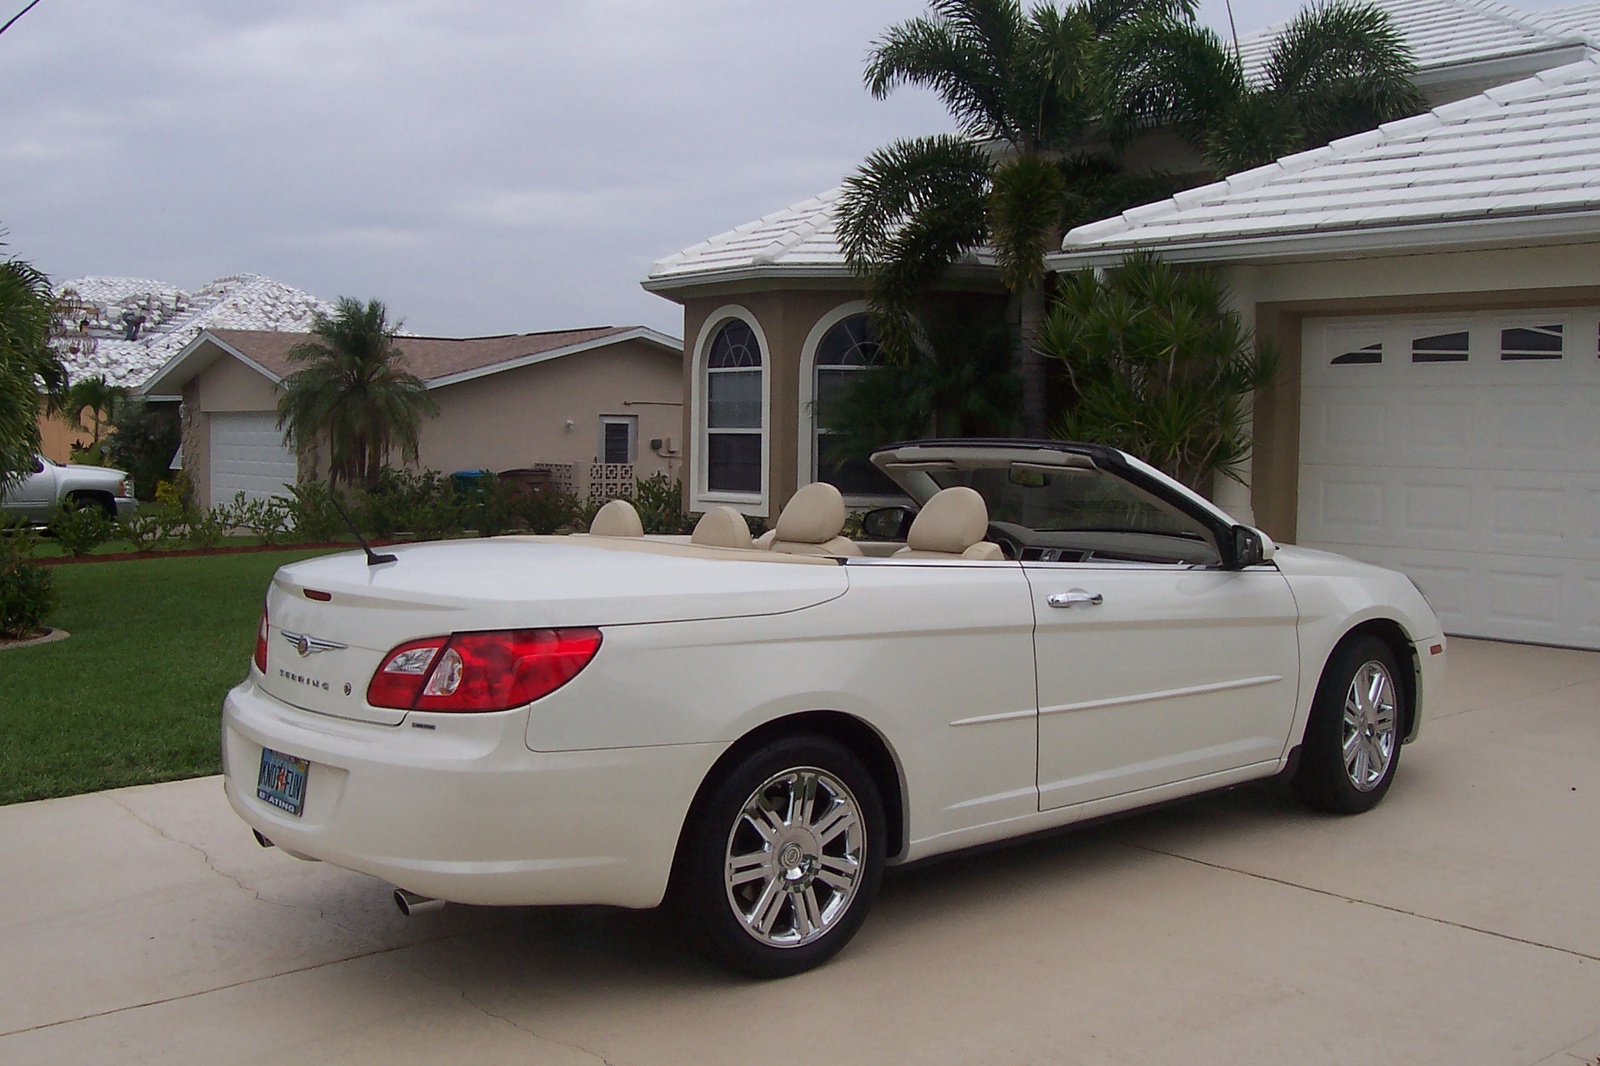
pixel 845 353
pixel 733 410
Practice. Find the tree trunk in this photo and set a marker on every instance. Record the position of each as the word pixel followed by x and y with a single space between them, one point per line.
pixel 1030 319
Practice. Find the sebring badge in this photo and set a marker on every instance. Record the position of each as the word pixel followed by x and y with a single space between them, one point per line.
pixel 306 644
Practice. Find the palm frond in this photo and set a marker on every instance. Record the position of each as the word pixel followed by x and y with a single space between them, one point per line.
pixel 1156 72
pixel 1024 216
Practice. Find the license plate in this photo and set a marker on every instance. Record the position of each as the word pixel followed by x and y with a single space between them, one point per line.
pixel 282 781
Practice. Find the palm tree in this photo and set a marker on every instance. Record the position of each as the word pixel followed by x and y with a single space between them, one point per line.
pixel 1337 69
pixel 1015 84
pixel 27 364
pixel 96 395
pixel 354 392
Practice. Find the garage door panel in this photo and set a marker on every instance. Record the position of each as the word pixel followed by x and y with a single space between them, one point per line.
pixel 1476 476
pixel 248 455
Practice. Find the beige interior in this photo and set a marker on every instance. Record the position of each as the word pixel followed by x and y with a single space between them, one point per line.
pixel 617 519
pixel 952 523
pixel 722 527
pixel 810 524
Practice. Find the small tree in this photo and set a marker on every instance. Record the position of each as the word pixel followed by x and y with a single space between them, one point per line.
pixel 28 366
pixel 354 392
pixel 1160 367
pixel 101 401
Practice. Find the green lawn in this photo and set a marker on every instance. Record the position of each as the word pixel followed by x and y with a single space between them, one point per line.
pixel 135 694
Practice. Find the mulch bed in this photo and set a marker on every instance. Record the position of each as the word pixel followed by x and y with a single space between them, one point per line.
pixel 40 636
pixel 187 552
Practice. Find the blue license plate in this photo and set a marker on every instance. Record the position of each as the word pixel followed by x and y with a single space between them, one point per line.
pixel 282 781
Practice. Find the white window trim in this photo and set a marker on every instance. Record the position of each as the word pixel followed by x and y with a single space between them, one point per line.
pixel 701 498
pixel 806 470
pixel 632 422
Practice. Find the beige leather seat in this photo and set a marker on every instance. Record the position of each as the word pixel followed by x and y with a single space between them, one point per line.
pixel 951 526
pixel 722 527
pixel 616 519
pixel 810 524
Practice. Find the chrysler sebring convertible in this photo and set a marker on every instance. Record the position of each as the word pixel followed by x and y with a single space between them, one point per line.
pixel 751 731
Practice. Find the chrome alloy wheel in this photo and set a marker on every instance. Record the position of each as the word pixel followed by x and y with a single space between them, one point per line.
pixel 794 857
pixel 1371 726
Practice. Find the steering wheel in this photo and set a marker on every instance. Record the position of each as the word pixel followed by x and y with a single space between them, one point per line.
pixel 1010 547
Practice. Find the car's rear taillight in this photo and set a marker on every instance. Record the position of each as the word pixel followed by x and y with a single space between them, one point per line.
pixel 261 642
pixel 492 671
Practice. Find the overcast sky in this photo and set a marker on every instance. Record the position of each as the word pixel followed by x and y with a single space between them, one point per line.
pixel 482 166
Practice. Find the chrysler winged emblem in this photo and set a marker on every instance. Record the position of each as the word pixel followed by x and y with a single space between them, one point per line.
pixel 306 644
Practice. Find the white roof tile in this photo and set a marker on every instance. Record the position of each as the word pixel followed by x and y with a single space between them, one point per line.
pixel 173 317
pixel 1526 149
pixel 1443 33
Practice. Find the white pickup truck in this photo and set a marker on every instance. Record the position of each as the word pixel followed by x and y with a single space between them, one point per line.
pixel 85 486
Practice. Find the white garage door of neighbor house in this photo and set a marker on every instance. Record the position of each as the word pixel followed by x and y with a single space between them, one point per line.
pixel 247 455
pixel 1463 450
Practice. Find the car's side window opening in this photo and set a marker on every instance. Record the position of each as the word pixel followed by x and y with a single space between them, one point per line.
pixel 1074 515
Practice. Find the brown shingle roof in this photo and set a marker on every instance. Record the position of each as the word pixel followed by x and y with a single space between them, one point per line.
pixel 430 358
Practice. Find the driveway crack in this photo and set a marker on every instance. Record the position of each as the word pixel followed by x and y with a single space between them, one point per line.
pixel 214 868
pixel 1363 902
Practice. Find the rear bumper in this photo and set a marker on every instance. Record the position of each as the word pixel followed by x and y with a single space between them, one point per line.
pixel 127 506
pixel 465 812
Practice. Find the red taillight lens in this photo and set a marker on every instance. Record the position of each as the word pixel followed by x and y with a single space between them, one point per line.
pixel 492 671
pixel 261 642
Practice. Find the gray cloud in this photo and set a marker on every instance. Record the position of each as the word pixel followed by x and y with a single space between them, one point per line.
pixel 482 165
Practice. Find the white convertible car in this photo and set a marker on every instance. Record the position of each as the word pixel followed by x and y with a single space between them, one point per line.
pixel 751 731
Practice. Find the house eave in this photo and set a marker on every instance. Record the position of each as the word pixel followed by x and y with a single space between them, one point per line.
pixel 1565 227
pixel 178 370
pixel 640 333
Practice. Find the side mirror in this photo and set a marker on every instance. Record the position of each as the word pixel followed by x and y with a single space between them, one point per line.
pixel 1251 547
pixel 887 523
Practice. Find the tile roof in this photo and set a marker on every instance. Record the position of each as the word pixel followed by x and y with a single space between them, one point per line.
pixel 430 358
pixel 1442 33
pixel 1512 154
pixel 173 317
pixel 800 240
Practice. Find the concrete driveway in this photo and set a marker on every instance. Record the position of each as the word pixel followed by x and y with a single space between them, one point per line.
pixel 1459 923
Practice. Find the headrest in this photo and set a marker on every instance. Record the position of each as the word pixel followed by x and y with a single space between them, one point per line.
pixel 616 519
pixel 722 527
pixel 953 521
pixel 813 515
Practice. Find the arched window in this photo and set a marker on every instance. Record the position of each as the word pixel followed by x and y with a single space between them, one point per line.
pixel 844 353
pixel 733 410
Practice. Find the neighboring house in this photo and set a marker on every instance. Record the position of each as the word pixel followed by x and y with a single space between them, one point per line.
pixel 595 407
pixel 1433 288
pixel 130 327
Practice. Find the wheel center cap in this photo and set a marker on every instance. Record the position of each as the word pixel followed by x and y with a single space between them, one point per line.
pixel 792 856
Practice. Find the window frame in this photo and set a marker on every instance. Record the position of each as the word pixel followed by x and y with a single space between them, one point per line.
pixel 632 424
pixel 701 496
pixel 808 453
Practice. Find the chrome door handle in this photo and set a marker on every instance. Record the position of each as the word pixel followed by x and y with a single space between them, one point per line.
pixel 1075 598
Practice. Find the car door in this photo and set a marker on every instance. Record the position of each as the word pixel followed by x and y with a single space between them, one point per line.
pixel 32 498
pixel 1155 673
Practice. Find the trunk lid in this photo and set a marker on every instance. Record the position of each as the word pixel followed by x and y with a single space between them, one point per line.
pixel 322 652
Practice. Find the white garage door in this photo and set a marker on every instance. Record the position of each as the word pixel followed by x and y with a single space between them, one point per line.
pixel 247 455
pixel 1465 451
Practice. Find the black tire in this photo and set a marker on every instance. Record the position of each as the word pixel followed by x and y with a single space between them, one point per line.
pixel 790 879
pixel 1359 669
pixel 81 500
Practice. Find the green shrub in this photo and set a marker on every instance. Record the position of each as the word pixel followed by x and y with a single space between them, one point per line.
pixel 312 511
pixel 144 437
pixel 27 591
pixel 551 511
pixel 490 507
pixel 269 519
pixel 659 501
pixel 145 530
pixel 205 529
pixel 80 529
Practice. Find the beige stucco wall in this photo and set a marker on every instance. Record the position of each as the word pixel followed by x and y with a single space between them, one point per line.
pixel 1280 297
pixel 229 385
pixel 519 417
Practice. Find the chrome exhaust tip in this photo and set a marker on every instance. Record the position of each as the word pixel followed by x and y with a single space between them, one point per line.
pixel 410 904
pixel 262 840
